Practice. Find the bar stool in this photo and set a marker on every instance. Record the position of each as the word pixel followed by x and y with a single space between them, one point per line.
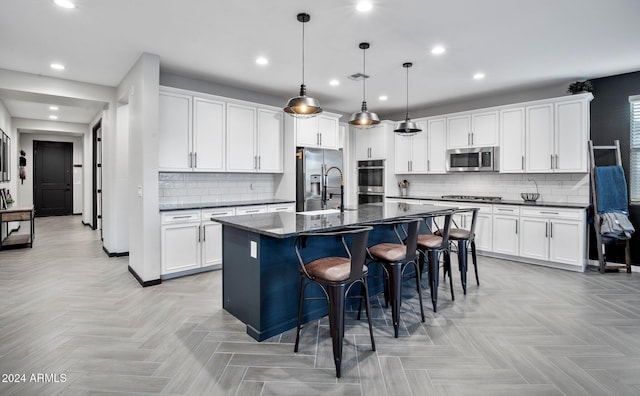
pixel 335 276
pixel 431 245
pixel 466 238
pixel 395 258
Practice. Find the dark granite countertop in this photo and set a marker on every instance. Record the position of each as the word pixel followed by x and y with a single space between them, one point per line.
pixel 541 204
pixel 287 224
pixel 228 204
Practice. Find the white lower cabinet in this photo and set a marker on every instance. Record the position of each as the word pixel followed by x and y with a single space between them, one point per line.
pixel 556 235
pixel 484 224
pixel 506 233
pixel 191 241
pixel 180 241
pixel 212 236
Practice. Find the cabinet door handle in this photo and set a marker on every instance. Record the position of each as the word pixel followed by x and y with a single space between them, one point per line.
pixel 199 231
pixel 259 162
pixel 553 213
pixel 551 161
pixel 472 138
pixel 191 160
pixel 516 226
pixel 546 230
pixel 551 230
pixel 557 166
pixel 255 162
pixel 428 165
pixel 523 162
pixel 204 233
pixel 253 211
pixel 195 159
pixel 468 139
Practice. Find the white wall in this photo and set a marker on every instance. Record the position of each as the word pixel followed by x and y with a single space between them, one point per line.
pixel 5 125
pixel 141 90
pixel 25 190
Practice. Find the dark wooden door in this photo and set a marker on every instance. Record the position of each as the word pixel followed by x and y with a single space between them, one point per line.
pixel 52 180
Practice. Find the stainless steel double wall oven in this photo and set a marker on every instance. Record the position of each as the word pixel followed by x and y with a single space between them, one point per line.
pixel 370 181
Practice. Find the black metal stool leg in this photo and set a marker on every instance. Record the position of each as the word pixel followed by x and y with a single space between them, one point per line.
pixel 300 305
pixel 462 263
pixel 447 264
pixel 475 260
pixel 367 306
pixel 434 268
pixel 395 286
pixel 336 322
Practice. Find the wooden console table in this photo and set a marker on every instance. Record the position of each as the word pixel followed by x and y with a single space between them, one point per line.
pixel 17 214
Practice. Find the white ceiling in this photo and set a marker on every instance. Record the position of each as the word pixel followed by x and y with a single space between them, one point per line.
pixel 517 44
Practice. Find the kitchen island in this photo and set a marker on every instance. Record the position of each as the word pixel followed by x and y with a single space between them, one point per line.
pixel 260 269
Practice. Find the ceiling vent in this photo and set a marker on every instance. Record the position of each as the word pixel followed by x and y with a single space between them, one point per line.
pixel 358 77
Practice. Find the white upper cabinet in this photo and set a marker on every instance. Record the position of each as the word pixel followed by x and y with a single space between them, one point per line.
pixel 512 140
pixel 319 131
pixel 371 143
pixel 174 132
pixel 539 142
pixel 436 145
pixel 208 135
pixel 191 133
pixel 478 129
pixel 572 134
pixel 459 131
pixel 270 141
pixel 254 139
pixel 410 152
pixel 241 138
pixel 557 134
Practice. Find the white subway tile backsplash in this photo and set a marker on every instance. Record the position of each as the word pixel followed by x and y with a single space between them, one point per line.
pixel 214 187
pixel 552 187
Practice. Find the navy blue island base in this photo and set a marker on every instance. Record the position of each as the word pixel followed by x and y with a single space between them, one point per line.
pixel 260 269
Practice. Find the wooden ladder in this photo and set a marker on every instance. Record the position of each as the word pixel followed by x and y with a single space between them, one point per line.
pixel 601 246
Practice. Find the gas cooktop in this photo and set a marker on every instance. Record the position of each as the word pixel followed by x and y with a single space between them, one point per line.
pixel 473 198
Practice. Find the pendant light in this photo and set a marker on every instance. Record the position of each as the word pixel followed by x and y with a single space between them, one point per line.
pixel 303 106
pixel 407 127
pixel 365 118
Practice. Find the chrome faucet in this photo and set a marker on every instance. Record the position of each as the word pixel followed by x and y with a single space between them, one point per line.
pixel 324 188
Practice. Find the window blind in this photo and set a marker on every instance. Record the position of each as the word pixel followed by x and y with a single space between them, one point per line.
pixel 634 182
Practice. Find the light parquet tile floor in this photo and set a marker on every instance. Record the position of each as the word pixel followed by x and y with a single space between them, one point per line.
pixel 68 310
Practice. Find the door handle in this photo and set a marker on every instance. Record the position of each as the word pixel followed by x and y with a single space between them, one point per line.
pixel 523 162
pixel 546 230
pixel 551 230
pixel 199 231
pixel 191 160
pixel 516 226
pixel 204 233
pixel 557 161
pixel 259 162
pixel 195 159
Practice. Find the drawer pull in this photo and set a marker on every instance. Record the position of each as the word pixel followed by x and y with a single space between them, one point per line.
pixel 252 211
pixel 181 217
pixel 553 213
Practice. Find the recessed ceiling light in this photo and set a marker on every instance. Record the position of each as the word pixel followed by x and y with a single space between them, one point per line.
pixel 334 83
pixel 261 60
pixel 383 97
pixel 478 76
pixel 64 3
pixel 364 6
pixel 57 66
pixel 438 50
pixel 54 108
pixel 53 117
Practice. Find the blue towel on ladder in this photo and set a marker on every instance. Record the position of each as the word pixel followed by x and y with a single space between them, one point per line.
pixel 611 189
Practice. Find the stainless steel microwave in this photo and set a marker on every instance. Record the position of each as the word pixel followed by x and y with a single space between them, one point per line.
pixel 476 159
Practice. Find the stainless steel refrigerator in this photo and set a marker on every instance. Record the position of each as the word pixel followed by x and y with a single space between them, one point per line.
pixel 311 167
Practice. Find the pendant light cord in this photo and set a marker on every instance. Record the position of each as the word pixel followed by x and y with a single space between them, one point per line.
pixel 364 74
pixel 407 115
pixel 303 53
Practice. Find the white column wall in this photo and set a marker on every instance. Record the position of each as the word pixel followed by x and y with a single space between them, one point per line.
pixel 141 89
